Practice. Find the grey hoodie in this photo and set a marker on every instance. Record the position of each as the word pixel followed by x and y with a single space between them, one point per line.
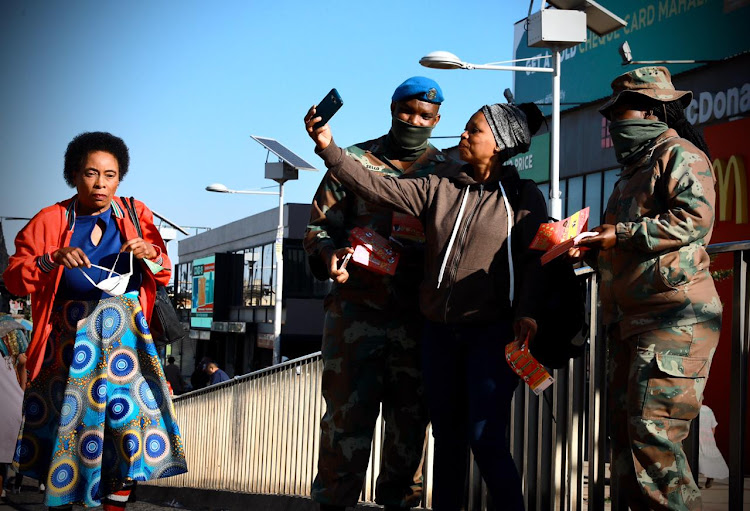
pixel 468 276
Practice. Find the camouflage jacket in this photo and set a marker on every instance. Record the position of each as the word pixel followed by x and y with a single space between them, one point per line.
pixel 657 276
pixel 336 210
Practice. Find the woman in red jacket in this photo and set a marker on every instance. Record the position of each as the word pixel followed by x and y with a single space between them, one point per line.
pixel 97 413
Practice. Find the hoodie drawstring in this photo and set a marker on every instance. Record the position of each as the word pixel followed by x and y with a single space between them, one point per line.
pixel 509 211
pixel 453 236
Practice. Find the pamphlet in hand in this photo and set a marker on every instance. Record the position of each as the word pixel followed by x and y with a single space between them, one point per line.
pixel 558 237
pixel 523 363
pixel 372 251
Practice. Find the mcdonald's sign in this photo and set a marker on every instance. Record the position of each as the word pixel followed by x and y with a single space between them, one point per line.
pixel 732 179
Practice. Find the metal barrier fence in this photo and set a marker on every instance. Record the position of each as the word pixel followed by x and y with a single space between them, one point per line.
pixel 259 433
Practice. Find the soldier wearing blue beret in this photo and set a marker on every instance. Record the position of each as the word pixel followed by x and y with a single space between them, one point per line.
pixel 372 329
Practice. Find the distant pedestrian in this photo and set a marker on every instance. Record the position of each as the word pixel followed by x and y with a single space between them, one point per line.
pixel 710 461
pixel 174 376
pixel 13 343
pixel 200 378
pixel 216 375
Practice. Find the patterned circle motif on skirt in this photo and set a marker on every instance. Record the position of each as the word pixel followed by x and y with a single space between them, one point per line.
pixel 140 324
pixel 121 409
pixel 107 322
pixel 35 409
pixel 63 475
pixel 85 357
pixel 172 468
pixel 92 489
pixel 27 452
pixel 123 365
pixel 156 446
pixel 146 397
pixel 131 446
pixel 56 391
pixel 71 409
pixel 90 447
pixel 159 390
pixel 74 312
pixel 97 393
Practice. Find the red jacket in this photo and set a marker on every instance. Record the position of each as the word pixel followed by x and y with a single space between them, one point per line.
pixel 32 271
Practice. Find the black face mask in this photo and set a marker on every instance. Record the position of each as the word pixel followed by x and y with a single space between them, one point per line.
pixel 406 141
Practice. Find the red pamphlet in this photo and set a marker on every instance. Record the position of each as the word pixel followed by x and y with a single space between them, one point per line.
pixel 556 238
pixel 372 251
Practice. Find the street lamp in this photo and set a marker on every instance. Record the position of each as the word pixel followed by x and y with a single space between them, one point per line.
pixel 221 188
pixel 555 29
pixel 286 169
pixel 447 60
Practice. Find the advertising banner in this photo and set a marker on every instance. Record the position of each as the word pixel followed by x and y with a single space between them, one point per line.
pixel 657 30
pixel 204 277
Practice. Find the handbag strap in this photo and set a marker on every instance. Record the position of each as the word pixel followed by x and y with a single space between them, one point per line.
pixel 130 206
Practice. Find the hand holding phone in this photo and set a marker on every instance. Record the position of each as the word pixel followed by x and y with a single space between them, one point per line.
pixel 328 106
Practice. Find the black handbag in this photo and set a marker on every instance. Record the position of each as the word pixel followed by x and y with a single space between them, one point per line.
pixel 165 326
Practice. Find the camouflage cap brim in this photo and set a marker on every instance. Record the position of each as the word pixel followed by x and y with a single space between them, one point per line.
pixel 661 95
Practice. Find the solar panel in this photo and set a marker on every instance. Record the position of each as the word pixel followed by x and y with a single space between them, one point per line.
pixel 282 152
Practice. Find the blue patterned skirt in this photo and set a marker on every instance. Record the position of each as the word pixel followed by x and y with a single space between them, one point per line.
pixel 98 415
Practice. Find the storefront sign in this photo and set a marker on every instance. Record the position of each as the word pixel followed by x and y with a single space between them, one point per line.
pixel 657 30
pixel 202 309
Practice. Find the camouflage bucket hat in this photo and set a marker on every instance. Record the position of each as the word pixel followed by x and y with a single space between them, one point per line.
pixel 654 82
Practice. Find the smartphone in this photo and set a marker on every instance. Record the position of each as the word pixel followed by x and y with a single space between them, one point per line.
pixel 328 106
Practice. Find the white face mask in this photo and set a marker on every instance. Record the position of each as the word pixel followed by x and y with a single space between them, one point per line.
pixel 115 284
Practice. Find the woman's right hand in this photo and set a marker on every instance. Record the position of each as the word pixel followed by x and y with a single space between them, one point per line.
pixel 71 257
pixel 332 259
pixel 321 136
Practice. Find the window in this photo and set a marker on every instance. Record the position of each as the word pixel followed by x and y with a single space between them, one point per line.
pixel 184 286
pixel 267 276
pixel 593 198
pixel 575 195
pixel 606 138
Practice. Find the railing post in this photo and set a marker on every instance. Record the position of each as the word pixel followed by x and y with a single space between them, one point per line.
pixel 738 393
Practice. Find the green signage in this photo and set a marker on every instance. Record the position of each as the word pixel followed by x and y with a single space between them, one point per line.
pixel 657 30
pixel 534 164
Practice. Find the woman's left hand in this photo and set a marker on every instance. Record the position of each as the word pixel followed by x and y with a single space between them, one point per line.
pixel 141 248
pixel 524 328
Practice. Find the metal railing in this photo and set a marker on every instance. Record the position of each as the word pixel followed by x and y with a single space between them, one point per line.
pixel 259 433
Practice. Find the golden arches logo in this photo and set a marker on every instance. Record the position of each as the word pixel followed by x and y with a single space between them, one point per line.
pixel 732 189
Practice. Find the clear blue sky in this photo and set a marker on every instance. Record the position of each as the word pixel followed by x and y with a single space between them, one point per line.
pixel 185 84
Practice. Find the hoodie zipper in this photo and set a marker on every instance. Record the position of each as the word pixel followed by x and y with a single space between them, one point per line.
pixel 459 250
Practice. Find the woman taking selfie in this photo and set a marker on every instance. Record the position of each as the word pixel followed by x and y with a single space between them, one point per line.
pixel 478 291
pixel 97 413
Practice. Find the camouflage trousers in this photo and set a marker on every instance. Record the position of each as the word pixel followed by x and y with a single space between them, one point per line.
pixel 656 381
pixel 371 357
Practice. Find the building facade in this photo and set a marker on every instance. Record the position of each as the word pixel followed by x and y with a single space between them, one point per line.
pixel 225 288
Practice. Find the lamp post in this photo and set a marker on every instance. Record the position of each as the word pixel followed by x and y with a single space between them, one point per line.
pixel 278 250
pixel 447 60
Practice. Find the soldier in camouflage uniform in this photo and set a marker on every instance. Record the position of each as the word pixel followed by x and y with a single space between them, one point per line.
pixel 372 325
pixel 659 301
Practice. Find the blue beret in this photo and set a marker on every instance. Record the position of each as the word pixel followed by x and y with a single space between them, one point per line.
pixel 419 87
